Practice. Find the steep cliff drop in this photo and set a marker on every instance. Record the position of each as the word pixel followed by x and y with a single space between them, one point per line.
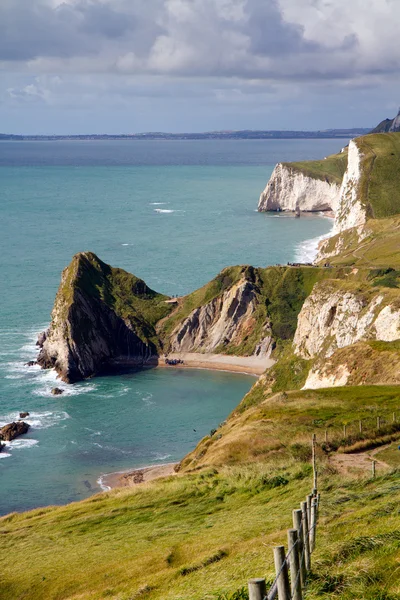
pixel 102 316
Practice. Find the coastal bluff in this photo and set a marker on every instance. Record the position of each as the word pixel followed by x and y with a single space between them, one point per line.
pixel 361 182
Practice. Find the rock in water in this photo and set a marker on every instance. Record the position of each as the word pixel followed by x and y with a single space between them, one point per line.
pixel 13 430
pixel 102 316
pixel 41 338
pixel 57 391
pixel 23 415
pixel 31 363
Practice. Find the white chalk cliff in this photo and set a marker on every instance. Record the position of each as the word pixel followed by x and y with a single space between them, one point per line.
pixel 290 190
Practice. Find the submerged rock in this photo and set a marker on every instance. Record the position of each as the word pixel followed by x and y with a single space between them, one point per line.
pixel 13 430
pixel 31 363
pixel 23 415
pixel 57 391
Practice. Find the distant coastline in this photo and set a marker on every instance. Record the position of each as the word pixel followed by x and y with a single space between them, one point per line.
pixel 246 134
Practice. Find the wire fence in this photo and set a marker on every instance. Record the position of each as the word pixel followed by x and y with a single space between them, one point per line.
pixel 292 567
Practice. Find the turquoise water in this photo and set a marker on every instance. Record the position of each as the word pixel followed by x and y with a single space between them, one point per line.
pixel 173 214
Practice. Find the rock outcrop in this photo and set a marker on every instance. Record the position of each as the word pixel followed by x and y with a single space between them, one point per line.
pixel 388 125
pixel 291 190
pixel 224 320
pixel 332 318
pixel 101 316
pixel 13 430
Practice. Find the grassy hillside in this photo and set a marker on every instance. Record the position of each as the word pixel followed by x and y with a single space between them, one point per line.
pixel 331 168
pixel 380 181
pixel 202 535
pixel 378 246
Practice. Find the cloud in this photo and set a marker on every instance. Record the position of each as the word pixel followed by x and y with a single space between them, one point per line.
pixel 267 39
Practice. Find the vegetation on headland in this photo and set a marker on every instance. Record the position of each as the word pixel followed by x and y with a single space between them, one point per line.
pixel 203 534
pixel 331 169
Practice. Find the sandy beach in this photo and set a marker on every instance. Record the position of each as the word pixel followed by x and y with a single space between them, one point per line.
pixel 136 476
pixel 252 365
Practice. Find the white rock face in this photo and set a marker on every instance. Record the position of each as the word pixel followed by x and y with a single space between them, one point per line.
pixel 291 190
pixel 331 319
pixel 224 320
pixel 317 379
pixel 387 324
pixel 350 211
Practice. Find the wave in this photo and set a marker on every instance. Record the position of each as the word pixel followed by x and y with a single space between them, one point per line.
pixel 21 444
pixel 307 251
pixel 37 420
pixel 164 210
pixel 157 203
pixel 159 456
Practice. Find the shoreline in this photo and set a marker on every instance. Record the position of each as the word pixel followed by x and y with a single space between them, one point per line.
pixel 134 477
pixel 246 365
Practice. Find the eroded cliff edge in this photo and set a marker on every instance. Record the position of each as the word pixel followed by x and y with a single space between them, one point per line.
pixel 360 183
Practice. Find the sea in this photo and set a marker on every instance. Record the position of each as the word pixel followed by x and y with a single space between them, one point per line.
pixel 173 213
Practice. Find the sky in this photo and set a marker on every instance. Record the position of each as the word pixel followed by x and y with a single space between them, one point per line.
pixel 129 66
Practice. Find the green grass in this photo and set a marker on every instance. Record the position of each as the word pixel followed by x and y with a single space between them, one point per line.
pixel 378 249
pixel 380 181
pixel 330 169
pixel 390 455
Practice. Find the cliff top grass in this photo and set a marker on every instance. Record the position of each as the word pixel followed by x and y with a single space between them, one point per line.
pixel 380 180
pixel 202 535
pixel 331 168
pixel 378 248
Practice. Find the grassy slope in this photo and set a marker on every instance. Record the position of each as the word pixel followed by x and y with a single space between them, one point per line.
pixel 380 248
pixel 380 182
pixel 201 534
pixel 331 169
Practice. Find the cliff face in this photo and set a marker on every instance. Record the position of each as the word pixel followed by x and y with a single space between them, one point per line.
pixel 290 190
pixel 351 211
pixel 224 320
pixel 335 318
pixel 100 315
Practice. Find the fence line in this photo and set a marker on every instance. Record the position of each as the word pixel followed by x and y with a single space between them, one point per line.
pixel 292 568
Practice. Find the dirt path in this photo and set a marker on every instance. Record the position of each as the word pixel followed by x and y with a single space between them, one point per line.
pixel 358 463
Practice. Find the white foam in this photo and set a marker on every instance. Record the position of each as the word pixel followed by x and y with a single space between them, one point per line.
pixel 307 251
pixel 21 444
pixel 163 210
pixel 36 420
pixel 162 456
pixel 4 454
pixel 157 203
pixel 100 482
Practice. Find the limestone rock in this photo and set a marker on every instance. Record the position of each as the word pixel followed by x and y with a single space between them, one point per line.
pixel 291 190
pixel 99 319
pixel 13 430
pixel 225 320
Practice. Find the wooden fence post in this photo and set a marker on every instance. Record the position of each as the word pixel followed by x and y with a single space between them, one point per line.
pixel 281 573
pixel 257 589
pixel 378 422
pixel 308 500
pixel 306 536
pixel 394 417
pixel 297 524
pixel 294 564
pixel 326 435
pixel 313 524
pixel 373 468
pixel 360 426
pixel 344 430
pixel 314 460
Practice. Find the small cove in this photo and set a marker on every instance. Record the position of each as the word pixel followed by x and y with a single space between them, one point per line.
pixel 174 217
